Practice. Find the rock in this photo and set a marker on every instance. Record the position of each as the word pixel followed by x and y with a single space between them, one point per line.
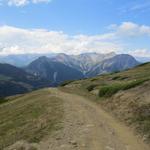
pixel 58 138
pixel 145 137
pixel 74 143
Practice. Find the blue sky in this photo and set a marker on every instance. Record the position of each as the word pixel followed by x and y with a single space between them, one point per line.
pixel 82 25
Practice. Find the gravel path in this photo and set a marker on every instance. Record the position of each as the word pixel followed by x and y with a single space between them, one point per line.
pixel 88 127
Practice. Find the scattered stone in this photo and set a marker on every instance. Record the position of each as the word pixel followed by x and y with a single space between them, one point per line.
pixel 74 143
pixel 58 138
pixel 145 137
pixel 112 132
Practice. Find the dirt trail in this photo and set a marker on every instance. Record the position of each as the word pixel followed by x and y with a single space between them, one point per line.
pixel 87 127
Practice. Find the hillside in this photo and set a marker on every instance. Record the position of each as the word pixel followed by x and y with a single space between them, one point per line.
pixel 14 80
pixel 27 119
pixel 126 95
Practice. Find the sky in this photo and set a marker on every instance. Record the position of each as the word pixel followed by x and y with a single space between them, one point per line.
pixel 75 26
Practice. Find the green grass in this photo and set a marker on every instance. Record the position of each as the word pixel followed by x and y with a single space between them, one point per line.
pixel 109 90
pixel 30 118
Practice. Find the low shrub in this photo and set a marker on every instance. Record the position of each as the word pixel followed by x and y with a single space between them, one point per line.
pixel 134 84
pixel 116 77
pixel 94 79
pixel 109 90
pixel 91 87
pixel 2 100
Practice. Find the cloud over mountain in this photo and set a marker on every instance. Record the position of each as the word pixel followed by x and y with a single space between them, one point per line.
pixel 131 29
pixel 15 40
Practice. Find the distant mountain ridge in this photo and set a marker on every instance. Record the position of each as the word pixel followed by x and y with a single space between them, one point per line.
pixel 21 60
pixel 64 67
pixel 53 71
pixel 117 63
pixel 83 62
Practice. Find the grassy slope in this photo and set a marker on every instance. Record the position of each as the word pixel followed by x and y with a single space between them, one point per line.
pixel 124 94
pixel 29 117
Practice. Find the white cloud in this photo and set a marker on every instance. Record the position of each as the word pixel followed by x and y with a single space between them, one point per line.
pixel 18 41
pixel 24 2
pixel 15 40
pixel 17 2
pixel 131 29
pixel 140 53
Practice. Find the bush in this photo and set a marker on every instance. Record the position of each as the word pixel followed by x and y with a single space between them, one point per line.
pixel 109 90
pixel 134 84
pixel 94 79
pixel 116 77
pixel 2 100
pixel 91 87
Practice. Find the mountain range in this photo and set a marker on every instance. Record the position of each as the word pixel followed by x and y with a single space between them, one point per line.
pixel 64 67
pixel 52 70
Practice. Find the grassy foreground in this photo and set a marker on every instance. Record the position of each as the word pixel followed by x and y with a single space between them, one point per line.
pixel 29 117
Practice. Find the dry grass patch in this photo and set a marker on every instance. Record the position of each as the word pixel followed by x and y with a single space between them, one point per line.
pixel 30 117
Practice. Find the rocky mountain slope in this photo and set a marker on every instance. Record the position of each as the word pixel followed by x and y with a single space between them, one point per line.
pixel 64 67
pixel 114 64
pixel 53 71
pixel 83 62
pixel 92 64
